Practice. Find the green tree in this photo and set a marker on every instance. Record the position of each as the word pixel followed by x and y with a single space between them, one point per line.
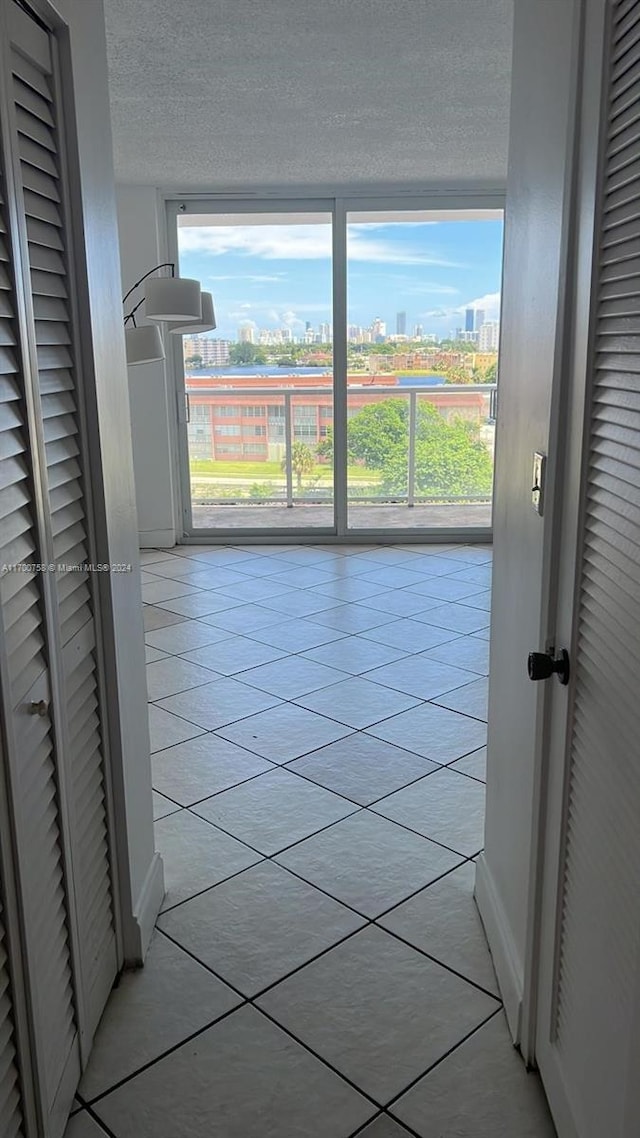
pixel 194 361
pixel 302 462
pixel 324 448
pixel 246 353
pixel 376 430
pixel 450 457
pixel 457 346
pixel 459 375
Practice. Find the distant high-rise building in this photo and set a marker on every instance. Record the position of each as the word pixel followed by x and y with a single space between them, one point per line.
pixel 401 324
pixel 378 330
pixel 307 325
pixel 479 321
pixel 325 333
pixel 469 320
pixel 489 336
pixel 418 331
pixel 213 353
pixel 246 334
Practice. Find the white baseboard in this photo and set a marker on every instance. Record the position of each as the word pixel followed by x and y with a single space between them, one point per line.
pixel 156 538
pixel 138 935
pixel 503 950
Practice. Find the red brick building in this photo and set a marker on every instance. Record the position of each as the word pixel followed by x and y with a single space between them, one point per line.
pixel 229 423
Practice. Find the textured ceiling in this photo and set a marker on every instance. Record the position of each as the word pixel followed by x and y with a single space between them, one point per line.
pixel 250 93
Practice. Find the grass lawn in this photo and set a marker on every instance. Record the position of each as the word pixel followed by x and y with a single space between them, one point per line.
pixel 265 471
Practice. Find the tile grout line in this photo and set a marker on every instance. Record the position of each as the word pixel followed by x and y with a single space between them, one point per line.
pixel 368 922
pixel 442 1058
pixel 292 702
pixel 289 766
pixel 382 1111
pixel 250 1001
pixel 358 810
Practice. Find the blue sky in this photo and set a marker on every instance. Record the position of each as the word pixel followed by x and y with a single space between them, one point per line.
pixel 280 275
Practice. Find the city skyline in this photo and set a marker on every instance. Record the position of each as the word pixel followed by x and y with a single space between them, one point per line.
pixel 274 276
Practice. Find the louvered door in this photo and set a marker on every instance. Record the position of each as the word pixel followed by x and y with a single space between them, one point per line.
pixel 589 1016
pixel 52 743
pixel 10 475
pixel 10 1089
pixel 44 196
pixel 29 743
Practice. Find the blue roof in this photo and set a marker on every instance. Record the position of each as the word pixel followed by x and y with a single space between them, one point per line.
pixel 421 380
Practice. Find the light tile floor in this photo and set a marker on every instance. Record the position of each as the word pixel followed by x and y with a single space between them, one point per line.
pixel 318 726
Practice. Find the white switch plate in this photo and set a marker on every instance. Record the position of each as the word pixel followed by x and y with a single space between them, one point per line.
pixel 538 480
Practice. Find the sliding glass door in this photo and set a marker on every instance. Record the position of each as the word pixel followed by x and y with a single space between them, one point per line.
pixel 350 383
pixel 259 390
pixel 423 316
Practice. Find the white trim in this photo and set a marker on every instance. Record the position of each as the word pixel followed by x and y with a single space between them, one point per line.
pixel 157 538
pixel 502 946
pixel 140 925
pixel 327 537
pixel 338 205
pixel 376 191
pixel 165 251
pixel 340 368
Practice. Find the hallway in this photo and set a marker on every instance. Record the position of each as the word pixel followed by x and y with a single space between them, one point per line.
pixel 318 722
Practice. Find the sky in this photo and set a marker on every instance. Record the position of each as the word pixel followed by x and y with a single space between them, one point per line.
pixel 275 276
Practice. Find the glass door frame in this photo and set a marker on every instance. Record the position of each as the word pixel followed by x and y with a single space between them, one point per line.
pixel 338 208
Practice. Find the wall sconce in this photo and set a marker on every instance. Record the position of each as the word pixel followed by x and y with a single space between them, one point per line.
pixel 177 301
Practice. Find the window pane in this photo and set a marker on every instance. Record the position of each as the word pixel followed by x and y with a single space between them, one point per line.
pixel 269 362
pixel 422 342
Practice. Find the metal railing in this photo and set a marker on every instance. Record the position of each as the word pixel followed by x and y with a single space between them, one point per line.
pixel 246 396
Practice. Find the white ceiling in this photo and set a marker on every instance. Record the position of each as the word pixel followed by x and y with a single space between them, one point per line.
pixel 241 94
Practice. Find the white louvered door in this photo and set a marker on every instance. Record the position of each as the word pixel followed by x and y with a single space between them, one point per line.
pixel 58 390
pixel 588 1012
pixel 52 743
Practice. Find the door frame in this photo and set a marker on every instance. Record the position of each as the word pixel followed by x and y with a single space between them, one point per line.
pixel 338 206
pixel 593 112
pixel 87 170
pixel 568 454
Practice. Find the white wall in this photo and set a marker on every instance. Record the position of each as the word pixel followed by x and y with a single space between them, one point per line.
pixel 540 162
pixel 141 879
pixel 140 223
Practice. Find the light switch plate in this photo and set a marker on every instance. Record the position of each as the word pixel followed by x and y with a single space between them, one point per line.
pixel 538 480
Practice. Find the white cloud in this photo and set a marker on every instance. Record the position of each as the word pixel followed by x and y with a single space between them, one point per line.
pixel 241 317
pixel 489 303
pixel 253 277
pixel 437 314
pixel 430 289
pixel 297 243
pixel 267 308
pixel 271 242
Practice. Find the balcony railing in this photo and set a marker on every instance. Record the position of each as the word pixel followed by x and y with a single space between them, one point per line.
pixel 448 398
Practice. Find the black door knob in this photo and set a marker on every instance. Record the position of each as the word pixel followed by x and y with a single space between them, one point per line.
pixel 541 665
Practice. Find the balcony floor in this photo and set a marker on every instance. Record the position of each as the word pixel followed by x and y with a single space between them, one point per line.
pixel 318 727
pixel 367 516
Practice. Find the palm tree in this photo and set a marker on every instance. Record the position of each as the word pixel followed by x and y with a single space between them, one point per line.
pixel 302 462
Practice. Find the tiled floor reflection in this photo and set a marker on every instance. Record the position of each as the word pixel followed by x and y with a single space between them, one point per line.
pixel 318 728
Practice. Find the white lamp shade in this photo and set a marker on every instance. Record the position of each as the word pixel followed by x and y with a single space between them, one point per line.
pixel 206 324
pixel 144 344
pixel 173 298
